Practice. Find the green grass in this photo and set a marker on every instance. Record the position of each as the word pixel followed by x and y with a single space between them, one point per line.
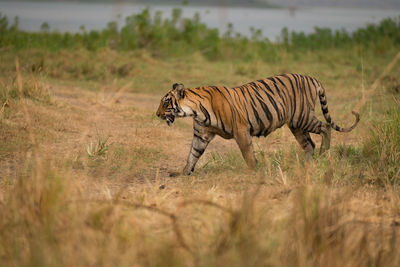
pixel 98 148
pixel 216 163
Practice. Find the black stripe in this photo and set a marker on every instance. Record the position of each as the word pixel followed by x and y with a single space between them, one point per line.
pixel 241 90
pixel 219 91
pixel 301 115
pixel 287 99
pixel 230 105
pixel 276 88
pixel 261 101
pixel 229 93
pixel 279 92
pixel 192 101
pixel 271 79
pixel 273 103
pixel 255 88
pixel 305 107
pixel 296 80
pixel 271 99
pixel 305 120
pixel 265 108
pixel 242 100
pixel 251 97
pixel 309 87
pixel 267 87
pixel 294 97
pixel 206 90
pixel 310 140
pixel 258 120
pixel 328 119
pixel 199 151
pixel 253 84
pixel 281 82
pixel 312 81
pixel 190 90
pixel 201 138
pixel 307 124
pixel 306 88
pixel 301 119
pixel 222 124
pixel 221 121
pixel 248 119
pixel 282 104
pixel 206 114
pixel 303 83
pixel 313 124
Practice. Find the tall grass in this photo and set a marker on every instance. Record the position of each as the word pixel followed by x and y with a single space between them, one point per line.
pixel 382 148
pixel 50 218
pixel 30 87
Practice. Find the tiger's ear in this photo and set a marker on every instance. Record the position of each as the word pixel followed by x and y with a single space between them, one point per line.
pixel 179 90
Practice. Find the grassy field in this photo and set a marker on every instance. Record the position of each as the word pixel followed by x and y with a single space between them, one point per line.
pixel 85 163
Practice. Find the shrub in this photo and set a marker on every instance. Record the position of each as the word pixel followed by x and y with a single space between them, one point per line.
pixel 181 36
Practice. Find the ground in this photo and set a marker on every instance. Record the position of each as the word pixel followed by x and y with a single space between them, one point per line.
pixel 88 200
pixel 81 117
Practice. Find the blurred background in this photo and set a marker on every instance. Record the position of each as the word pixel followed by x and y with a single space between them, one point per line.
pixel 268 16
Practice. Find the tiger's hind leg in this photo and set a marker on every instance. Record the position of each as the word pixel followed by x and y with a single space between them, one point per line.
pixel 324 129
pixel 305 141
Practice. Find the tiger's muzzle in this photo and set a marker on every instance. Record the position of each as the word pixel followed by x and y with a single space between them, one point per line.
pixel 169 118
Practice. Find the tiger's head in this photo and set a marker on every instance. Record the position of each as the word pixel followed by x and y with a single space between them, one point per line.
pixel 170 106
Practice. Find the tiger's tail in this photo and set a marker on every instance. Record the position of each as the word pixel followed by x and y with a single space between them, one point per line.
pixel 324 107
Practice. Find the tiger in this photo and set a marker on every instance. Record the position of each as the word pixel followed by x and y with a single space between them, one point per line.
pixel 254 109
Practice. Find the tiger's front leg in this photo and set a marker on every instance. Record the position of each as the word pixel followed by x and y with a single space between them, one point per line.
pixel 243 139
pixel 201 139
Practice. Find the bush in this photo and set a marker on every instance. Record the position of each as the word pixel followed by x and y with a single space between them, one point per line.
pixel 179 36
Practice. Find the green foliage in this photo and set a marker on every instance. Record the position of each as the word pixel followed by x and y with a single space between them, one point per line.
pixel 98 148
pixel 350 153
pixel 231 161
pixel 178 36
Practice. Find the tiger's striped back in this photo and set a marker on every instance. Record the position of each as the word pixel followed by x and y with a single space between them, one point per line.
pixel 264 105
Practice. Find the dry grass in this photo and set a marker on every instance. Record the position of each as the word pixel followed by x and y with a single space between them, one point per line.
pixel 60 206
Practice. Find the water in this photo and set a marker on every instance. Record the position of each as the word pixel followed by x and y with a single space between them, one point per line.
pixel 66 16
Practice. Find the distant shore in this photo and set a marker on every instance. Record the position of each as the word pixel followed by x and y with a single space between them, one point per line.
pixel 193 3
